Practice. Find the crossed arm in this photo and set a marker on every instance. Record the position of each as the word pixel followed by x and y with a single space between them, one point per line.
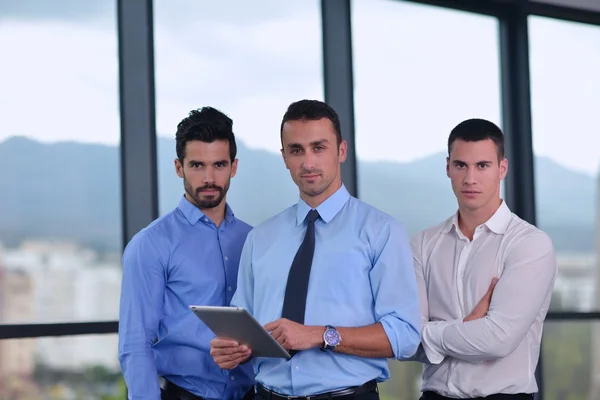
pixel 519 295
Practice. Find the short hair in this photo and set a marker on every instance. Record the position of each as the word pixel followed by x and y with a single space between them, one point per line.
pixel 475 130
pixel 207 125
pixel 312 110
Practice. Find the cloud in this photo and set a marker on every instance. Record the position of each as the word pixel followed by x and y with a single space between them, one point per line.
pixel 59 82
pixel 565 94
pixel 418 71
pixel 62 10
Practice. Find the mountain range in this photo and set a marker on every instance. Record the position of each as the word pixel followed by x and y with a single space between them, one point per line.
pixel 71 191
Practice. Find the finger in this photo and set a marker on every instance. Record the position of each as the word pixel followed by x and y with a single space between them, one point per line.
pixel 231 358
pixel 285 344
pixel 280 339
pixel 277 333
pixel 488 294
pixel 272 325
pixel 219 342
pixel 222 351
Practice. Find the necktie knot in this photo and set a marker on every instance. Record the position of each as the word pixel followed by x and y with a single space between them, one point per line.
pixel 313 215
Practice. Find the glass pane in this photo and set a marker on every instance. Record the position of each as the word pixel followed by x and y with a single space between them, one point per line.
pixel 592 5
pixel 250 60
pixel 60 202
pixel 419 71
pixel 64 368
pixel 565 98
pixel 571 360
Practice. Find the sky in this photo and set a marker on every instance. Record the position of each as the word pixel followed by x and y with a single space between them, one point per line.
pixel 418 71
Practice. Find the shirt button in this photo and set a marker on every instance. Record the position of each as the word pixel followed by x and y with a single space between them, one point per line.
pixel 230 288
pixel 226 258
pixel 233 378
pixel 297 368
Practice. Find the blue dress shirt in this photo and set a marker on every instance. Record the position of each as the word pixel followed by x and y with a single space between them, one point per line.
pixel 362 273
pixel 180 259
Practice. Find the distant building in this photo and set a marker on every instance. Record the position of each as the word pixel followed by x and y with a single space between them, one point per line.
pixel 70 284
pixel 17 356
pixel 595 368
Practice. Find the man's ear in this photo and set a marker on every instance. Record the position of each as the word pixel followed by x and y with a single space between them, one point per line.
pixel 448 167
pixel 284 158
pixel 179 168
pixel 343 151
pixel 234 166
pixel 503 168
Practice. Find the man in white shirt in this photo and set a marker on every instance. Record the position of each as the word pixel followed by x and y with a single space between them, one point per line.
pixel 485 281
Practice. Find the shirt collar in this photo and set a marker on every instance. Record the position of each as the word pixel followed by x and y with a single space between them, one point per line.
pixel 327 209
pixel 500 220
pixel 498 223
pixel 193 213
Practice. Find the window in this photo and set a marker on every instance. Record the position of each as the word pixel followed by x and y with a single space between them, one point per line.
pixel 419 71
pixel 571 360
pixel 250 60
pixel 61 368
pixel 60 208
pixel 591 5
pixel 565 97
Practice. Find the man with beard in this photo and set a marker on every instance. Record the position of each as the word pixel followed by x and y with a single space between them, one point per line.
pixel 343 312
pixel 189 256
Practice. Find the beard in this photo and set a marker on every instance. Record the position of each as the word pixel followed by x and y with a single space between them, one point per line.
pixel 203 200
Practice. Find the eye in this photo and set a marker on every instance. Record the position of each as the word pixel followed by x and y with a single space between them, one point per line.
pixel 319 148
pixel 483 166
pixel 195 165
pixel 460 165
pixel 220 165
pixel 295 151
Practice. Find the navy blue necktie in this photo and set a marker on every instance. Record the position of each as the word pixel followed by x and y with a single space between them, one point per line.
pixel 294 302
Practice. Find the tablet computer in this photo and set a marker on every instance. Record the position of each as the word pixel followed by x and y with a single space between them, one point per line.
pixel 236 323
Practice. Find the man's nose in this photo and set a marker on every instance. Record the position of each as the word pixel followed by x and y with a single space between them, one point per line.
pixel 309 161
pixel 469 176
pixel 209 176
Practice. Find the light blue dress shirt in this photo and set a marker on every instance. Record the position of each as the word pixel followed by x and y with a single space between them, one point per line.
pixel 362 273
pixel 180 259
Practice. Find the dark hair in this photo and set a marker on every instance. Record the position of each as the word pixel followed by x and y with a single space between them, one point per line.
pixel 312 110
pixel 475 130
pixel 206 125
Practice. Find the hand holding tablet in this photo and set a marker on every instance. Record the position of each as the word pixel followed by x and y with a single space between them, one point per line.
pixel 228 353
pixel 239 335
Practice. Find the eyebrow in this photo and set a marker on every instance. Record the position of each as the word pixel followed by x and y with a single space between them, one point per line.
pixel 224 161
pixel 478 162
pixel 314 143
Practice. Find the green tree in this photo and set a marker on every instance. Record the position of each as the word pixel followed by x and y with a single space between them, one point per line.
pixel 566 360
pixel 404 381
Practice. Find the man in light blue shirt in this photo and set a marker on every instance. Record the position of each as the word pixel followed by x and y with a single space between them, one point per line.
pixel 189 256
pixel 339 292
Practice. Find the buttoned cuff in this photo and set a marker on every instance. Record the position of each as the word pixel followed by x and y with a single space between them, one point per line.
pixel 432 339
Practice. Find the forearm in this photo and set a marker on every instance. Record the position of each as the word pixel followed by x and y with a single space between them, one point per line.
pixel 368 341
pixel 475 341
pixel 481 340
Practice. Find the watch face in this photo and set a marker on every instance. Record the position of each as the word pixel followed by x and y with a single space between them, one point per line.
pixel 332 337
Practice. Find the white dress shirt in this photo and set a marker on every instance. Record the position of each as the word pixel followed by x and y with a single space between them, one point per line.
pixel 497 353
